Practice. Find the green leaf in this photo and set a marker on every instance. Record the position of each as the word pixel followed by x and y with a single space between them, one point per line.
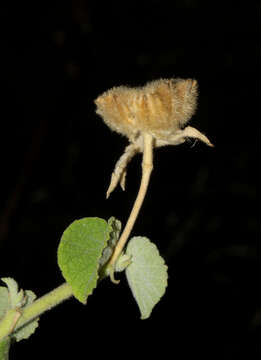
pixel 11 299
pixel 116 229
pixel 27 330
pixel 79 252
pixel 147 274
pixel 4 301
pixel 115 226
pixel 16 297
pixel 122 262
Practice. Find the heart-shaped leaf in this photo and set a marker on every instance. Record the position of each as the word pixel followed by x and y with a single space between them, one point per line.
pixel 79 252
pixel 147 274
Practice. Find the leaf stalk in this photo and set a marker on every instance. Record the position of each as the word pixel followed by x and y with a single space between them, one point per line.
pixel 147 166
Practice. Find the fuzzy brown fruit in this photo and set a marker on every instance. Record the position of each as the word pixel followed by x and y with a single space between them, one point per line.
pixel 161 108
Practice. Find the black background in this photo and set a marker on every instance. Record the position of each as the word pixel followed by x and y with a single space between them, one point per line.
pixel 202 206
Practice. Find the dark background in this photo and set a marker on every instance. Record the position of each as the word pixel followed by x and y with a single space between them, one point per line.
pixel 201 210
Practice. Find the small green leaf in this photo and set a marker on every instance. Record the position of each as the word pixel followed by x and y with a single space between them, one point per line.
pixel 79 252
pixel 116 229
pixel 147 274
pixel 17 298
pixel 27 330
pixel 123 261
pixel 4 301
pixel 115 226
pixel 11 299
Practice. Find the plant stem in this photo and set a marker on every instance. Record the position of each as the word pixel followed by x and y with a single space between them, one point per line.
pixel 147 166
pixel 44 303
pixel 8 322
pixel 38 307
pixel 4 348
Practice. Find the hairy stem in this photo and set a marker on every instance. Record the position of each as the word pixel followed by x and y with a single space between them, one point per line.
pixel 4 348
pixel 34 310
pixel 8 322
pixel 147 166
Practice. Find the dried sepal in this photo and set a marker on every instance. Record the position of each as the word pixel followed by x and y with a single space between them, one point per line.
pixel 120 169
pixel 180 137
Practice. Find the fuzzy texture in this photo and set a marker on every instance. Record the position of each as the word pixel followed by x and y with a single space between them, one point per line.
pixel 161 108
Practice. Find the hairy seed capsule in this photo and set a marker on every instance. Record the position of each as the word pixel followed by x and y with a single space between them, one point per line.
pixel 161 108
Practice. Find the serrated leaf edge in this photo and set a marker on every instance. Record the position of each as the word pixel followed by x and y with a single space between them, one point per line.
pixel 97 264
pixel 163 263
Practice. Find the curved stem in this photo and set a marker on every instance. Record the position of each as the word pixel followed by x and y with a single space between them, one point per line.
pixel 147 166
